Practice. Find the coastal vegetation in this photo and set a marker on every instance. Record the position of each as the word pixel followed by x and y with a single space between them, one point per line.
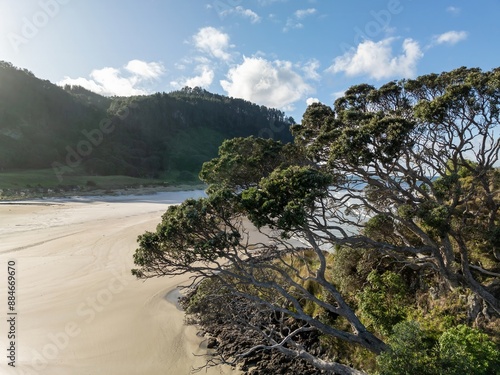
pixel 369 244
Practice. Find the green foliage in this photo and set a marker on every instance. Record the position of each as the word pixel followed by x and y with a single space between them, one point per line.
pixel 377 139
pixel 437 313
pixel 34 120
pixel 188 233
pixel 464 350
pixel 242 162
pixel 380 228
pixel 187 177
pixel 285 198
pixel 191 147
pixel 494 237
pixel 316 127
pixel 411 352
pixel 351 267
pixel 382 302
pixel 363 136
pixel 446 185
pixel 434 216
pixel 459 350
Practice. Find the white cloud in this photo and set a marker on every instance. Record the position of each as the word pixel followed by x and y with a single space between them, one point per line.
pixel 199 70
pixel 450 37
pixel 269 2
pixel 111 81
pixel 213 42
pixel 302 13
pixel 270 83
pixel 311 70
pixel 376 60
pixel 180 66
pixel 248 13
pixel 201 60
pixel 294 23
pixel 310 101
pixel 84 82
pixel 204 79
pixel 152 70
pixel 337 94
pixel 453 10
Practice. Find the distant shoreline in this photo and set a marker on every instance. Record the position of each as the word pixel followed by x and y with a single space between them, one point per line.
pixel 116 192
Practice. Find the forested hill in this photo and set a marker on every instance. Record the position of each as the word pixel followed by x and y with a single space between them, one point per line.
pixel 73 130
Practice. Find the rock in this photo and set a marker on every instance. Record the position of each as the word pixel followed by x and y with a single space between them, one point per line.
pixel 201 333
pixel 212 343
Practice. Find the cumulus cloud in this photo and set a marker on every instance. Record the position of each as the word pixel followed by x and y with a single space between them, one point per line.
pixel 310 101
pixel 212 41
pixel 376 60
pixel 111 81
pixel 204 79
pixel 450 37
pixel 152 70
pixel 239 10
pixel 214 45
pixel 89 84
pixel 270 83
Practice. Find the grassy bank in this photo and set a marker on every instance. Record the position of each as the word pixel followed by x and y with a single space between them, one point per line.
pixel 44 183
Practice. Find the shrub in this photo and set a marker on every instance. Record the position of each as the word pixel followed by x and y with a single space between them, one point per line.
pixel 459 351
pixel 410 352
pixel 383 302
pixel 465 350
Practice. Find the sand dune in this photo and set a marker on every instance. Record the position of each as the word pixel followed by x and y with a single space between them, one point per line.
pixel 80 311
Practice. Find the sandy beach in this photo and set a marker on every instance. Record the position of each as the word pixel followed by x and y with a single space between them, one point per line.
pixel 79 309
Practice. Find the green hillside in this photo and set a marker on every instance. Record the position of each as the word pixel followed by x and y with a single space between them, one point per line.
pixel 71 130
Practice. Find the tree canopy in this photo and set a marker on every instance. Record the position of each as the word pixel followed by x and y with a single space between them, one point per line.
pixel 390 196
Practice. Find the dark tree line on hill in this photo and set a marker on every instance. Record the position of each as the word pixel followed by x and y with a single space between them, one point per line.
pixel 43 126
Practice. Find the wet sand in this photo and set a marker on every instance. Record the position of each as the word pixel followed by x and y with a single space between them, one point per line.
pixel 79 309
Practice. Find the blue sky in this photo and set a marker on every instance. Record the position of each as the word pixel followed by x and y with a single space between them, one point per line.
pixel 279 53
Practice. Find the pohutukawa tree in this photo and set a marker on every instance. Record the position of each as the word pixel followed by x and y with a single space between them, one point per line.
pixel 409 170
